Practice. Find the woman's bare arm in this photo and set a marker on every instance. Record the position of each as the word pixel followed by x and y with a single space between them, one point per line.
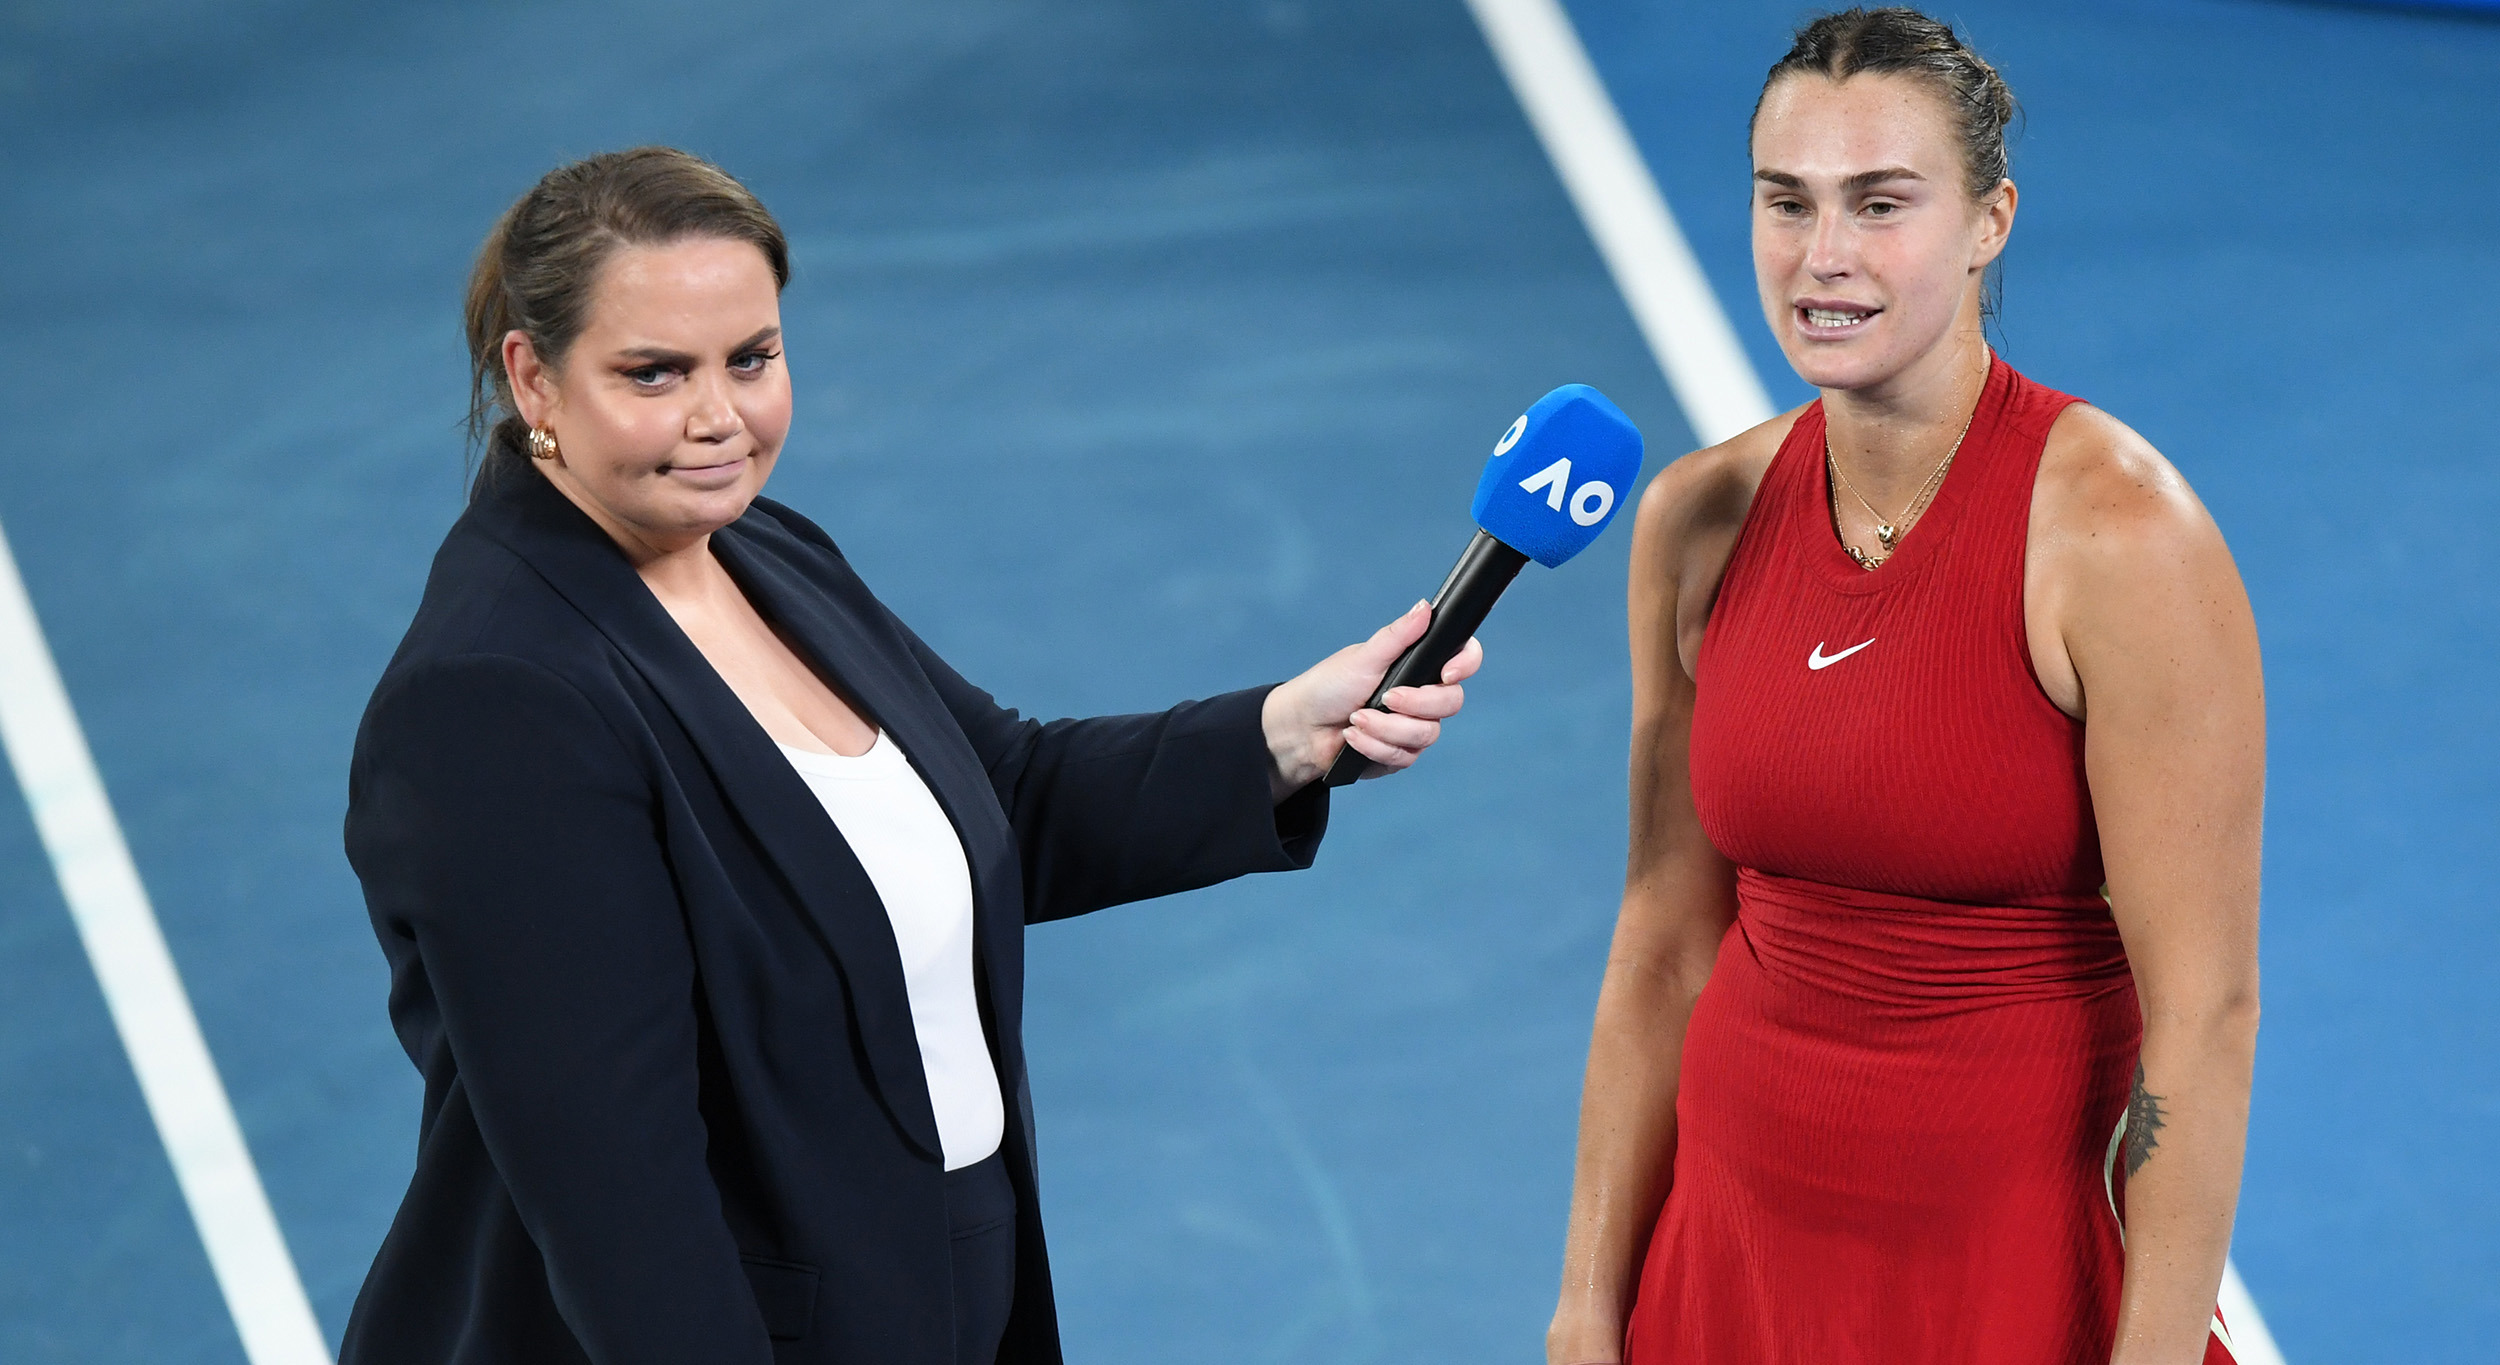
pixel 2160 650
pixel 1679 896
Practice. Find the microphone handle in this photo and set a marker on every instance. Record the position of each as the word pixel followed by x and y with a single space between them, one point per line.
pixel 1474 585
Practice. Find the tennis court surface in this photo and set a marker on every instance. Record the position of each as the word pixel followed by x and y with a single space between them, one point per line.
pixel 1145 350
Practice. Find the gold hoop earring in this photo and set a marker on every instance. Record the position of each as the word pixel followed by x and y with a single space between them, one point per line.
pixel 543 442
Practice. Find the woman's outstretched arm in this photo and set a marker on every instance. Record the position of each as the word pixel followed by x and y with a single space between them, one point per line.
pixel 1678 899
pixel 2163 650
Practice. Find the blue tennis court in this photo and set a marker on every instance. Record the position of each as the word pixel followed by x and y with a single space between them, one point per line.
pixel 1148 350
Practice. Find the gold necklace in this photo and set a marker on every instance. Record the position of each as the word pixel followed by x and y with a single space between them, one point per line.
pixel 1888 533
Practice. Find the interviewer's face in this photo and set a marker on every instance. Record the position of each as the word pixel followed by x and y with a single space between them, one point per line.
pixel 672 405
pixel 1867 247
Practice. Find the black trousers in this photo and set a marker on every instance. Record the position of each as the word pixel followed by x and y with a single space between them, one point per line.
pixel 981 1218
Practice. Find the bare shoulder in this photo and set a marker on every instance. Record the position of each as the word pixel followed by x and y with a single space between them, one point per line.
pixel 1685 530
pixel 2107 503
pixel 1713 487
pixel 2125 566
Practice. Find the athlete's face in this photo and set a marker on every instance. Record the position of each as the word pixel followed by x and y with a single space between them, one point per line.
pixel 1867 247
pixel 671 406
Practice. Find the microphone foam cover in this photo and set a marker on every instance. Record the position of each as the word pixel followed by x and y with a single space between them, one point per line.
pixel 1559 475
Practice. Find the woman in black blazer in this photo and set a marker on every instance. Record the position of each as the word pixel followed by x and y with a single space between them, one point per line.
pixel 676 1108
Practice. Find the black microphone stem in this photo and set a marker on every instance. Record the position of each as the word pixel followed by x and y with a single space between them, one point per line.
pixel 1474 585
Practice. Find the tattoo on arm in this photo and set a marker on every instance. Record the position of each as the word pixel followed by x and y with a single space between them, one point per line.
pixel 2144 1121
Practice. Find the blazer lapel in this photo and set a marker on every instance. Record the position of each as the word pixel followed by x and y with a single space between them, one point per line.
pixel 539 524
pixel 824 609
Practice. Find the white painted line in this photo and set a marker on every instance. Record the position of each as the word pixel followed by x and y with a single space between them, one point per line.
pixel 141 988
pixel 1672 302
pixel 1604 174
pixel 2251 1343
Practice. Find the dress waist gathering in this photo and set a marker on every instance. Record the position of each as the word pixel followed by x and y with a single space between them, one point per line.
pixel 1909 959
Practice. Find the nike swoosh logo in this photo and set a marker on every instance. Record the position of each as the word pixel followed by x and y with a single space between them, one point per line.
pixel 1818 660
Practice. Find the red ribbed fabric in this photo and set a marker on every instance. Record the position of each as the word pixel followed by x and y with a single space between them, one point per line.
pixel 1899 1085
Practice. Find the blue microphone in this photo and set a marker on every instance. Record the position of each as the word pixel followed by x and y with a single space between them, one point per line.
pixel 1554 481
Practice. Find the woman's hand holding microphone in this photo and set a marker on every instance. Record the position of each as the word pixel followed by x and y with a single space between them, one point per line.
pixel 1311 718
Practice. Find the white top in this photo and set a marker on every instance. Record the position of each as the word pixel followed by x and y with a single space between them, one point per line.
pixel 903 838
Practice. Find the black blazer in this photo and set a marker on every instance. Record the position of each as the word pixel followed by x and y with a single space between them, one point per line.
pixel 674 1110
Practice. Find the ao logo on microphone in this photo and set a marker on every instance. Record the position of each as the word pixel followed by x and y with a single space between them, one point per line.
pixel 1572 453
pixel 1589 506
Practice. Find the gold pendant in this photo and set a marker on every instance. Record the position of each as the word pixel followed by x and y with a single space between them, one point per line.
pixel 1887 534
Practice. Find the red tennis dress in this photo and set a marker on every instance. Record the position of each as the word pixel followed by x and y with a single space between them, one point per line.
pixel 1900 1084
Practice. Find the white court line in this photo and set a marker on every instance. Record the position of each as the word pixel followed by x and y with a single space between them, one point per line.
pixel 1671 301
pixel 2251 1343
pixel 144 992
pixel 1635 231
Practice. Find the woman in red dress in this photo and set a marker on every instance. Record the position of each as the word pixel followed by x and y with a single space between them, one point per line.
pixel 1947 773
